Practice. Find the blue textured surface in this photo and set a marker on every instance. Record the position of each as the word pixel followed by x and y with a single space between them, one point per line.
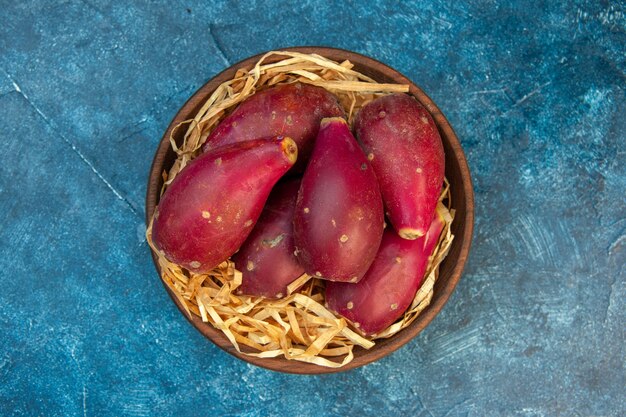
pixel 536 94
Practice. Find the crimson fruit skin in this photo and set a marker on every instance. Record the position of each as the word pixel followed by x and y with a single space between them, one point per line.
pixel 389 286
pixel 402 141
pixel 266 259
pixel 338 223
pixel 210 208
pixel 293 110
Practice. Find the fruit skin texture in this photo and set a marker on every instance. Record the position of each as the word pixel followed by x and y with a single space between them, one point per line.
pixel 339 217
pixel 389 286
pixel 293 110
pixel 213 203
pixel 266 258
pixel 403 143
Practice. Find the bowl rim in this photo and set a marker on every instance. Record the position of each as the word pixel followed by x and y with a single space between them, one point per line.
pixel 398 340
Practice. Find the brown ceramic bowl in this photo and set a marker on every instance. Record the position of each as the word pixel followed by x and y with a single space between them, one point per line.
pixel 457 173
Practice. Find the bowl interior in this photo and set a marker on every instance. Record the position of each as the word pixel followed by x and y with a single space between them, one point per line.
pixel 457 173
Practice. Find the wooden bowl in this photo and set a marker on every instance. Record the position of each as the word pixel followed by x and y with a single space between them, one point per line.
pixel 457 173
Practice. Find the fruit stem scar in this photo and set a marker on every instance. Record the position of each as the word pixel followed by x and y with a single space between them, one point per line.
pixel 289 148
pixel 272 243
pixel 325 121
pixel 410 234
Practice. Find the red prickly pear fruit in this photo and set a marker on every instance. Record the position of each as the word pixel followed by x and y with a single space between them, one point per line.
pixel 267 259
pixel 338 223
pixel 389 286
pixel 403 144
pixel 210 208
pixel 293 110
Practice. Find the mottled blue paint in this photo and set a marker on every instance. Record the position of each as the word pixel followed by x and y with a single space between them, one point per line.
pixel 535 92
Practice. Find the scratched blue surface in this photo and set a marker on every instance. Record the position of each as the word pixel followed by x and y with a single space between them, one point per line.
pixel 536 94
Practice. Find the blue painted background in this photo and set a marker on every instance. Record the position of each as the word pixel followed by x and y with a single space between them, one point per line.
pixel 535 91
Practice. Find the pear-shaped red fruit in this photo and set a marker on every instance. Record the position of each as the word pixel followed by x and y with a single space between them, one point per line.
pixel 389 286
pixel 267 259
pixel 338 223
pixel 213 203
pixel 403 144
pixel 293 110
